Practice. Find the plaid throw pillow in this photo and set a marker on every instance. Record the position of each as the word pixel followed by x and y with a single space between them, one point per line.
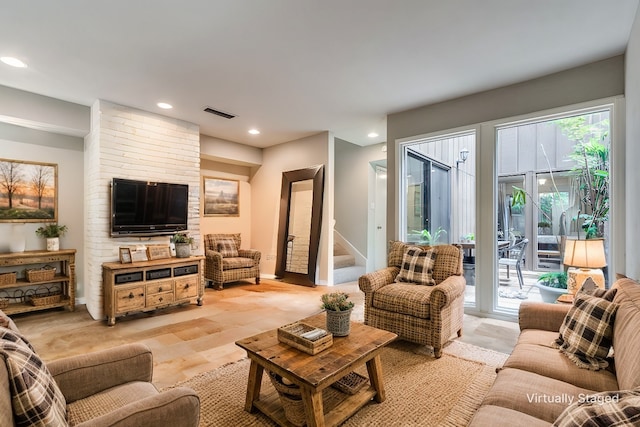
pixel 417 266
pixel 35 397
pixel 609 408
pixel 587 330
pixel 227 247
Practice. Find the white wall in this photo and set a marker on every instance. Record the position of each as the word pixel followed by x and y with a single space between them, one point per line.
pixel 352 165
pixel 66 151
pixel 128 143
pixel 230 224
pixel 266 183
pixel 632 155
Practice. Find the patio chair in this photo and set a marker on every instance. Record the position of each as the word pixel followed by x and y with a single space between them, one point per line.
pixel 513 256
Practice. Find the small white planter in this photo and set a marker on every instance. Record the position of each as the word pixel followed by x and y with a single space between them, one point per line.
pixel 53 243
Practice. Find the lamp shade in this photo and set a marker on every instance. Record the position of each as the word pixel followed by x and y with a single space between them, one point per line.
pixel 585 253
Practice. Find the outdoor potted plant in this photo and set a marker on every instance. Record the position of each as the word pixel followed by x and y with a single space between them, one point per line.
pixel 338 309
pixel 552 285
pixel 183 244
pixel 52 232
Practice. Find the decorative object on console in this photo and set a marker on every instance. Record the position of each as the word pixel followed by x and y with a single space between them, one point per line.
pixel 39 198
pixel 125 255
pixel 158 252
pixel 585 259
pixel 183 245
pixel 338 309
pixel 18 240
pixel 221 197
pixel 52 232
pixel 138 253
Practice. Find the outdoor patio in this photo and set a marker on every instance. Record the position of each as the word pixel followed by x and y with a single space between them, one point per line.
pixel 510 293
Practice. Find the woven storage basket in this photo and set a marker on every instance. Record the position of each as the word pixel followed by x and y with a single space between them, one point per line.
pixel 350 383
pixel 291 400
pixel 339 322
pixel 7 278
pixel 46 300
pixel 41 275
pixel 4 303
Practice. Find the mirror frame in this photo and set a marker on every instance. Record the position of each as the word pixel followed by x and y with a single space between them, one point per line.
pixel 316 174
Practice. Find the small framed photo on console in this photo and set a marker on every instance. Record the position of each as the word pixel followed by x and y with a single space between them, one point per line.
pixel 138 253
pixel 125 255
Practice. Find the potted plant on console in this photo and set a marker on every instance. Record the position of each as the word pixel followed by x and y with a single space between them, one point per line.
pixel 183 244
pixel 338 310
pixel 52 232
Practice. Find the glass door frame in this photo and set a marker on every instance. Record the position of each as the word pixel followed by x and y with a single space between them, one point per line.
pixel 486 193
pixel 487 189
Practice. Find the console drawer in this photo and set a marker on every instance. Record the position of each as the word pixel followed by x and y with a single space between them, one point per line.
pixel 159 286
pixel 186 287
pixel 130 299
pixel 159 299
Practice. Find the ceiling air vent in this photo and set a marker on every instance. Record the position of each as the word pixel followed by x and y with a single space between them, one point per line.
pixel 219 113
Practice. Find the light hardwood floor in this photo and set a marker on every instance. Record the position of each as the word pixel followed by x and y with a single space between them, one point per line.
pixel 189 340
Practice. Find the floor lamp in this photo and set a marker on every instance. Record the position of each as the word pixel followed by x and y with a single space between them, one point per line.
pixel 585 259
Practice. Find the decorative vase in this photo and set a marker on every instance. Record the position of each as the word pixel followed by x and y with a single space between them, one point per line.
pixel 183 250
pixel 53 243
pixel 339 322
pixel 18 240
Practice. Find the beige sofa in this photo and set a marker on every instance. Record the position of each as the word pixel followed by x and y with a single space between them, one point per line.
pixel 106 388
pixel 537 383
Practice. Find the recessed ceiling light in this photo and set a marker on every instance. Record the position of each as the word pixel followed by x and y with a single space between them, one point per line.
pixel 14 62
pixel 254 131
pixel 372 135
pixel 164 105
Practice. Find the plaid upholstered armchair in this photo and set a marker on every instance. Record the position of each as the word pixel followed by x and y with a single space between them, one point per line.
pixel 226 262
pixel 419 296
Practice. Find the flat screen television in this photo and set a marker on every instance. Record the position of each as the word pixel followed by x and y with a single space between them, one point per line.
pixel 142 208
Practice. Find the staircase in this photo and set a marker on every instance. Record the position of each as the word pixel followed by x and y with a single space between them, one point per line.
pixel 345 268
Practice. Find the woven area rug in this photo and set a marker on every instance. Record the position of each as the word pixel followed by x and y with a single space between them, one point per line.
pixel 421 390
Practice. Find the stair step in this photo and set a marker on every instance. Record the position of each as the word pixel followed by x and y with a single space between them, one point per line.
pixel 343 261
pixel 348 274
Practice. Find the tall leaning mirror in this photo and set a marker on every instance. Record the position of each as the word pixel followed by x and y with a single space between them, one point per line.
pixel 299 225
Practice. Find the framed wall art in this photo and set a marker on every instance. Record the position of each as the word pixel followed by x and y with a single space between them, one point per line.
pixel 28 191
pixel 221 197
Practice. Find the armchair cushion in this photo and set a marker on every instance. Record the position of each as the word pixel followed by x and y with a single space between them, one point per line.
pixel 227 247
pixel 238 262
pixel 35 397
pixel 417 266
pixel 587 331
pixel 404 298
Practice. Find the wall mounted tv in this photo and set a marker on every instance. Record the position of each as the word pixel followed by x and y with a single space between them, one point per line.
pixel 141 208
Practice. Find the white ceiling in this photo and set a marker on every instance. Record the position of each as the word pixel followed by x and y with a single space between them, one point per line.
pixel 293 68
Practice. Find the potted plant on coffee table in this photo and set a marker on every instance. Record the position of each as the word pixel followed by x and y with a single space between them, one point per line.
pixel 52 232
pixel 552 285
pixel 183 244
pixel 338 309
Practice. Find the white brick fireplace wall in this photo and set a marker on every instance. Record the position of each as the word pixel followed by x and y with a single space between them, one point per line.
pixel 134 144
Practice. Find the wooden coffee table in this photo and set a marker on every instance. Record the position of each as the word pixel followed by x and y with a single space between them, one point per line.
pixel 315 373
